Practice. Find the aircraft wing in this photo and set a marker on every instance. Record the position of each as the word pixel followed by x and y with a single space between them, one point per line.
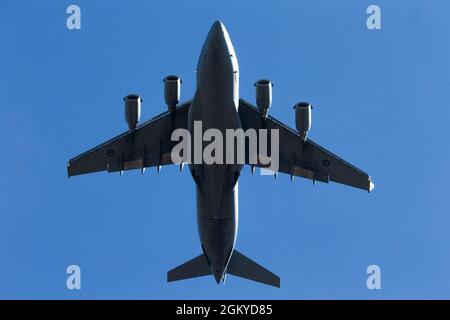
pixel 147 146
pixel 304 159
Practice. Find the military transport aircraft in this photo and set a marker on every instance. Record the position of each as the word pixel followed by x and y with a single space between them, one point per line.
pixel 216 103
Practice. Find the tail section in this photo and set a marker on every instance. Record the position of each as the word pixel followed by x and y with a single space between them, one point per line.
pixel 241 266
pixel 196 267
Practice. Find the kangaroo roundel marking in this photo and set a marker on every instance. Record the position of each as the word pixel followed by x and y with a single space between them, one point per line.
pixel 325 163
pixel 111 153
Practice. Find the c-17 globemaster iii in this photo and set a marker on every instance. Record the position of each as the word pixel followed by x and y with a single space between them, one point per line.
pixel 217 105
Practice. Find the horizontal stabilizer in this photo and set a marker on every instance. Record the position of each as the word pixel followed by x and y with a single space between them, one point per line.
pixel 196 267
pixel 241 266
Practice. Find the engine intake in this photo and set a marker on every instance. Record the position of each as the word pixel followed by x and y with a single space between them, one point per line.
pixel 132 110
pixel 172 88
pixel 263 96
pixel 303 118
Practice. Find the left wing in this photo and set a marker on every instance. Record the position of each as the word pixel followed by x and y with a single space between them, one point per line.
pixel 305 159
pixel 147 146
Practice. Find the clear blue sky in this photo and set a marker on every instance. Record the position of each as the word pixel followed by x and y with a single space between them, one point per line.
pixel 381 102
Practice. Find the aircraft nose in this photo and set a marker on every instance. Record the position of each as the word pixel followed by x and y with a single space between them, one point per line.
pixel 217 26
pixel 216 35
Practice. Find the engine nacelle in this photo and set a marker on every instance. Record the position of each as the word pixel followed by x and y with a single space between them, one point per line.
pixel 263 96
pixel 303 118
pixel 172 88
pixel 132 110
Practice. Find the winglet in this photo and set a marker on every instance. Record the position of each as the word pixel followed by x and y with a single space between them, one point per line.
pixel 371 185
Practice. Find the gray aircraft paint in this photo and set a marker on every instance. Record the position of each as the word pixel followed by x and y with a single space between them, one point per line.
pixel 217 186
pixel 217 105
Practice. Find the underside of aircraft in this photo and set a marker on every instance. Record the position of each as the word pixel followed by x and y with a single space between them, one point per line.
pixel 217 105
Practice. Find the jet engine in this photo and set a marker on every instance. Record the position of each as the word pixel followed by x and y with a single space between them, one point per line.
pixel 132 110
pixel 263 96
pixel 172 86
pixel 303 118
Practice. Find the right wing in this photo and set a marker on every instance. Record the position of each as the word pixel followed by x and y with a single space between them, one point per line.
pixel 304 159
pixel 147 146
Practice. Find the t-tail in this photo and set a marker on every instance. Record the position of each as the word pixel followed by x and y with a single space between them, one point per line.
pixel 239 266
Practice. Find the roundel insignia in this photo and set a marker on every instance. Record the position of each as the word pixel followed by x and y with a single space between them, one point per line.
pixel 325 163
pixel 111 153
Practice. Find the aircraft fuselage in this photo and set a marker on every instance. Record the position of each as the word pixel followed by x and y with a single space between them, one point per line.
pixel 215 104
